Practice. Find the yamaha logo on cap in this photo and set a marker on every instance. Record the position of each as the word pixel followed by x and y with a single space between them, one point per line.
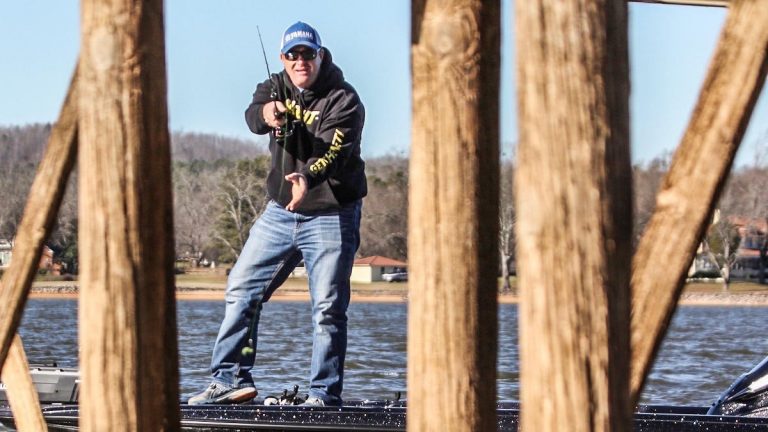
pixel 300 34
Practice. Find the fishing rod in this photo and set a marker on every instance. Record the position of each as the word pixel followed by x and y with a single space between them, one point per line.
pixel 285 130
pixel 280 133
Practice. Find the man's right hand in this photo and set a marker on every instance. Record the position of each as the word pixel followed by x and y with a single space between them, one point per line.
pixel 273 114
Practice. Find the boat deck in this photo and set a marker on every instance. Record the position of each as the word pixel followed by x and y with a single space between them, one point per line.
pixel 387 416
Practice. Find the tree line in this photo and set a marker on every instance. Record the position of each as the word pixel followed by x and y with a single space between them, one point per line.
pixel 219 191
pixel 737 236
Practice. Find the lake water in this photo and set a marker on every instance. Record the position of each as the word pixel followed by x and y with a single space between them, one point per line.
pixel 706 349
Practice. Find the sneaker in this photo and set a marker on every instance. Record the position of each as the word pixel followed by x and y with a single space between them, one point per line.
pixel 313 402
pixel 219 394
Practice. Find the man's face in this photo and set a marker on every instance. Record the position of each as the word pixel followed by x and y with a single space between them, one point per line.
pixel 303 65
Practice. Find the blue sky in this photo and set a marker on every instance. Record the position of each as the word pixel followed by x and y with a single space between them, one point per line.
pixel 214 63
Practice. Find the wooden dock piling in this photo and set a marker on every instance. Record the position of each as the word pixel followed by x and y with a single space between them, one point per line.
pixel 127 316
pixel 574 207
pixel 698 172
pixel 453 216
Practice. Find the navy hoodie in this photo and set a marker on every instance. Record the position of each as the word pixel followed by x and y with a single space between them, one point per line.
pixel 327 121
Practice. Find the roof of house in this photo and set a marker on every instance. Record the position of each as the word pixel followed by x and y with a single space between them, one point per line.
pixel 744 252
pixel 759 224
pixel 381 261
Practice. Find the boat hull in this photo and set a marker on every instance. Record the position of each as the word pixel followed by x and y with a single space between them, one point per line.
pixel 387 416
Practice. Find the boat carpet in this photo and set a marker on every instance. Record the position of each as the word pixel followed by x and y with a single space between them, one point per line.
pixel 386 416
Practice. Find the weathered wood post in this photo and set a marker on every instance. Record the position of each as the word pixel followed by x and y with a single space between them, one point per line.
pixel 574 201
pixel 129 358
pixel 453 216
pixel 21 391
pixel 36 225
pixel 699 169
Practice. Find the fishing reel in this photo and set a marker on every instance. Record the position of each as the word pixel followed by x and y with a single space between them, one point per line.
pixel 286 398
pixel 283 132
pixel 289 126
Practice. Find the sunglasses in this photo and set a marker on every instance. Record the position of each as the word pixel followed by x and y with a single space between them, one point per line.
pixel 308 54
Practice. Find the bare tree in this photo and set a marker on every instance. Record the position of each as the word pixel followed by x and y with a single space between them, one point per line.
pixel 188 146
pixel 720 245
pixel 507 219
pixel 14 187
pixel 23 144
pixel 647 179
pixel 63 240
pixel 384 225
pixel 243 197
pixel 744 204
pixel 195 191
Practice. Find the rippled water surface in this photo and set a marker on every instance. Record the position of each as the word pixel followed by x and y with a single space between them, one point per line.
pixel 706 349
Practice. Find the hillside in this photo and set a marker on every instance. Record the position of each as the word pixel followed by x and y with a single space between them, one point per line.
pixel 21 145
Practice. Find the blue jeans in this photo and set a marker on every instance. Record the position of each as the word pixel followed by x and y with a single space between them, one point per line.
pixel 327 241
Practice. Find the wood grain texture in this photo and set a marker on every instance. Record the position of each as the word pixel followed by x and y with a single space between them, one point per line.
pixel 700 166
pixel 22 395
pixel 453 216
pixel 36 225
pixel 574 201
pixel 127 318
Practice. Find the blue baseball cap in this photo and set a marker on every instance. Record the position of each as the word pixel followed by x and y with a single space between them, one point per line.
pixel 300 34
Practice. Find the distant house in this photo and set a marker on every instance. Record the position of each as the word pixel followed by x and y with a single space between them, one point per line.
pixel 753 236
pixel 5 253
pixel 371 268
pixel 46 257
pixel 745 259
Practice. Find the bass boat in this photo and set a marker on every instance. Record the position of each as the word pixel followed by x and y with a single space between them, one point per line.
pixel 742 407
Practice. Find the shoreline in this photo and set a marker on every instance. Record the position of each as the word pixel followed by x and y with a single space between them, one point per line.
pixel 69 290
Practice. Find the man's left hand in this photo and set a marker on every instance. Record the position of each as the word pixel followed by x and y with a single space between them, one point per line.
pixel 298 190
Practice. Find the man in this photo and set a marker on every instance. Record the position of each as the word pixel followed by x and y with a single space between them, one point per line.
pixel 316 184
